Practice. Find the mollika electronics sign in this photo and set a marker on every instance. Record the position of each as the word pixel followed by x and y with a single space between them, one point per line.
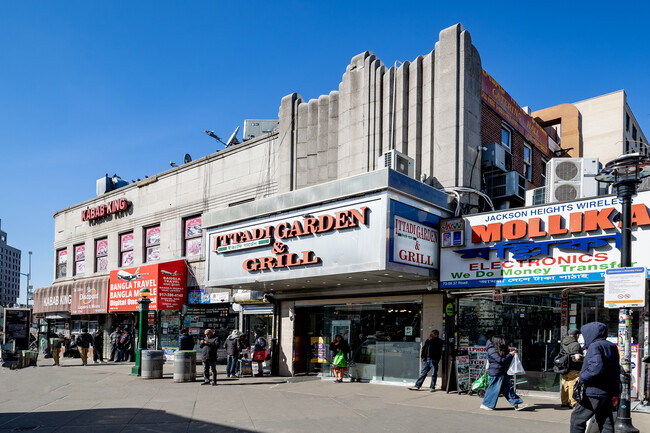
pixel 564 243
pixel 345 236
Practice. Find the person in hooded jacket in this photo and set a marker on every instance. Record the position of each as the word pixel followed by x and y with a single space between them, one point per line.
pixel 232 352
pixel 209 346
pixel 499 360
pixel 571 347
pixel 601 376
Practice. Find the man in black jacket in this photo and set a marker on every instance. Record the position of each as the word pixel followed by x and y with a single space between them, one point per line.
pixel 431 352
pixel 185 341
pixel 98 346
pixel 84 340
pixel 209 346
pixel 601 376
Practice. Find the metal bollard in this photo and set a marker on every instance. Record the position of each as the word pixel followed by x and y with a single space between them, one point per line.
pixel 184 366
pixel 152 364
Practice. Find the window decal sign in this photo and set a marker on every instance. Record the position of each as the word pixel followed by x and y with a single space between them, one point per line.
pixel 415 244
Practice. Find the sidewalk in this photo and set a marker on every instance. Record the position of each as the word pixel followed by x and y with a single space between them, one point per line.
pixel 104 398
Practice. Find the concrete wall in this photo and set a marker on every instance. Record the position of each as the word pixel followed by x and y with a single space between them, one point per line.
pixel 602 126
pixel 429 109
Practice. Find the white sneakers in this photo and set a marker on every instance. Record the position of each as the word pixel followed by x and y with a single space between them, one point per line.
pixel 486 408
pixel 521 406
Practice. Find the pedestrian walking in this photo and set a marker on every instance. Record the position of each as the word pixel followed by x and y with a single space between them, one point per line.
pixel 232 353
pixel 84 341
pixel 571 352
pixel 56 342
pixel 430 355
pixel 499 360
pixel 260 346
pixel 340 350
pixel 98 346
pixel 185 340
pixel 124 346
pixel 601 377
pixel 114 340
pixel 209 346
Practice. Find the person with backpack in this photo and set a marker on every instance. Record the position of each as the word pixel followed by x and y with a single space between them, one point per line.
pixel 569 363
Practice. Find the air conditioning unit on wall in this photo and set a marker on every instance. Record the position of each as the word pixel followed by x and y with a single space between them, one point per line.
pixel 572 178
pixel 496 157
pixel 397 161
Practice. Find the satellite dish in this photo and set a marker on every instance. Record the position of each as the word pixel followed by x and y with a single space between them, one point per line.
pixel 187 158
pixel 233 138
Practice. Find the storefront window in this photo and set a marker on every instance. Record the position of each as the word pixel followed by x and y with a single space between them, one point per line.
pixel 192 236
pixel 384 339
pixel 533 324
pixel 152 244
pixel 170 322
pixel 101 255
pixel 126 249
pixel 221 319
pixel 79 259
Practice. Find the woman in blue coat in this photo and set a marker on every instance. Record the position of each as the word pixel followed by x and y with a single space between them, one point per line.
pixel 499 360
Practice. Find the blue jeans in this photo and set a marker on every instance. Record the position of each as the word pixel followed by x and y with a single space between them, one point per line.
pixel 427 365
pixel 231 365
pixel 500 385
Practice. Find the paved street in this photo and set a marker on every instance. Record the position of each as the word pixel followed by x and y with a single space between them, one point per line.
pixel 104 398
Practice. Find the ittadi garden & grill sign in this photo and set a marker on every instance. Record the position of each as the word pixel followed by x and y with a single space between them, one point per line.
pixel 564 243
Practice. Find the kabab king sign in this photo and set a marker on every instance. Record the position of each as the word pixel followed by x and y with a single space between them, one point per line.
pixel 564 243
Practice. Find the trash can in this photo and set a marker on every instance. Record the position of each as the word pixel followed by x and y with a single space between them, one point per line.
pixel 184 366
pixel 151 363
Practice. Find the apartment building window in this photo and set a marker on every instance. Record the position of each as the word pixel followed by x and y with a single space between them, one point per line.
pixel 126 249
pixel 506 136
pixel 101 255
pixel 627 121
pixel 528 162
pixel 544 163
pixel 79 259
pixel 627 146
pixel 61 262
pixel 633 132
pixel 152 244
pixel 192 236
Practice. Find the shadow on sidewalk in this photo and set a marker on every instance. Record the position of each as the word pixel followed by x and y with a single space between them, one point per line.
pixel 107 420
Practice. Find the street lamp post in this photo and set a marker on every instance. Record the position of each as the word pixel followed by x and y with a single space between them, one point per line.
pixel 143 330
pixel 29 278
pixel 625 173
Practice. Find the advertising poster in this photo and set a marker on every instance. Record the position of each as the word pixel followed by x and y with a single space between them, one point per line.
pixel 80 267
pixel 90 296
pixel 102 247
pixel 80 252
pixel 63 257
pixel 126 242
pixel 153 254
pixel 167 283
pixel 127 258
pixel 415 244
pixel 462 373
pixel 193 247
pixel 102 263
pixel 562 243
pixel 193 227
pixel 152 236
pixel 318 350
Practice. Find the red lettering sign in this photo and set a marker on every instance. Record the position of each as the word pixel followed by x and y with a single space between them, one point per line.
pixel 103 210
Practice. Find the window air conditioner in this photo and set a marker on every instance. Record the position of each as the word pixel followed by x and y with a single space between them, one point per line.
pixel 397 161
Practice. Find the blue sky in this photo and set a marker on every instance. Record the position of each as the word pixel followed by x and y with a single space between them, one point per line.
pixel 95 87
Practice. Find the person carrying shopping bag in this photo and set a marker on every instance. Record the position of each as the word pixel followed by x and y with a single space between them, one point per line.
pixel 340 350
pixel 499 361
